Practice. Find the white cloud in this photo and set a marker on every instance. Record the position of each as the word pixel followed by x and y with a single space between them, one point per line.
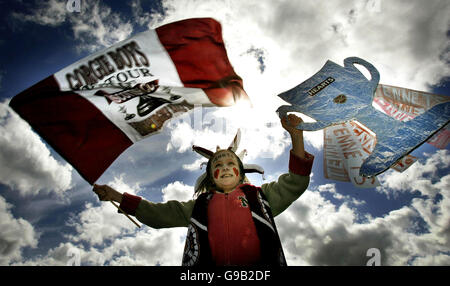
pixel 140 16
pixel 416 177
pixel 16 233
pixel 96 224
pixel 315 232
pixel 120 185
pixel 177 191
pixel 262 136
pixel 94 27
pixel 196 165
pixel 331 188
pixel 113 240
pixel 149 247
pixel 49 13
pixel 26 163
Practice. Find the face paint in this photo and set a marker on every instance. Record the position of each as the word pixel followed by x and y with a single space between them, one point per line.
pixel 225 171
pixel 216 173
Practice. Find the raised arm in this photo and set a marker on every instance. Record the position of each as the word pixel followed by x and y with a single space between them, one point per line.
pixel 292 185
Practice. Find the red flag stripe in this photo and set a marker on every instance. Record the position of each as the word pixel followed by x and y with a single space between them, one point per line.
pixel 197 49
pixel 72 126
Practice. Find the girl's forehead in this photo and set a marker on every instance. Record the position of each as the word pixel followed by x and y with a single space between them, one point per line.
pixel 225 155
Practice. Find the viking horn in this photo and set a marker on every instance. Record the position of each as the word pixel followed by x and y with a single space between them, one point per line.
pixel 202 151
pixel 235 143
pixel 242 154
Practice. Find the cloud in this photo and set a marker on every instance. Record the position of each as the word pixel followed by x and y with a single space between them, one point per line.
pixel 97 26
pixel 196 165
pixel 121 186
pixel 416 177
pixel 97 224
pixel 49 13
pixel 94 27
pixel 261 133
pixel 177 191
pixel 259 55
pixel 314 231
pixel 16 234
pixel 331 188
pixel 113 240
pixel 299 36
pixel 26 163
pixel 145 16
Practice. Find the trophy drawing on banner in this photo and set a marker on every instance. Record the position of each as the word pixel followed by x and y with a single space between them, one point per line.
pixel 339 94
pixel 156 105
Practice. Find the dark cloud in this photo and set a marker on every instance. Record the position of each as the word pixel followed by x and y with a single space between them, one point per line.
pixel 260 57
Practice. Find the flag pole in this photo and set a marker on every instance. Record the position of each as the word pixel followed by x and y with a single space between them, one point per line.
pixel 130 218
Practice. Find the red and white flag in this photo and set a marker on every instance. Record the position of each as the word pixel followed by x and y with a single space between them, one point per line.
pixel 94 109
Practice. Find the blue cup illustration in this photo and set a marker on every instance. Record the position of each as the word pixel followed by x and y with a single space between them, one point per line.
pixel 339 94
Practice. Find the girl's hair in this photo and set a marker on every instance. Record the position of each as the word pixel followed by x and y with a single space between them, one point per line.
pixel 208 183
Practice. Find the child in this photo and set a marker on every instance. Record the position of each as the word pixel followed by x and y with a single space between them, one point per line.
pixel 231 221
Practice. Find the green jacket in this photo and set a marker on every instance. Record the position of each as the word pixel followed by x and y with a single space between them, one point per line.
pixel 280 195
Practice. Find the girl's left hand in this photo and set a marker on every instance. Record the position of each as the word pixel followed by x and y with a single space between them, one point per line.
pixel 289 123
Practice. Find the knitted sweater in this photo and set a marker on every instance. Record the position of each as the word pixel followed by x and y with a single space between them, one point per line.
pixel 173 213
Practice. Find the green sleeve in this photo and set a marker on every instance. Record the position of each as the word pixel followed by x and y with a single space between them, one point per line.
pixel 164 215
pixel 285 191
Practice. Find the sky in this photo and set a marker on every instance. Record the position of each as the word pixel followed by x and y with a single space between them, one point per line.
pixel 50 216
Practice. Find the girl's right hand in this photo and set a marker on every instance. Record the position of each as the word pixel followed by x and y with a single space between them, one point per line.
pixel 106 193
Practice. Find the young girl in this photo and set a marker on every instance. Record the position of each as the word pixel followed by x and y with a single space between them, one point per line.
pixel 231 221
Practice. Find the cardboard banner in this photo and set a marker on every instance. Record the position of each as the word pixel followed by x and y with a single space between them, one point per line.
pixel 441 139
pixel 404 163
pixel 338 94
pixel 346 146
pixel 341 150
pixel 405 104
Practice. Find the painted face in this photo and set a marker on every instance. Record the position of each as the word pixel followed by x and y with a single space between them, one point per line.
pixel 225 171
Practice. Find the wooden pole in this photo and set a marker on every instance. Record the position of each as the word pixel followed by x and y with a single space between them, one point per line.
pixel 130 218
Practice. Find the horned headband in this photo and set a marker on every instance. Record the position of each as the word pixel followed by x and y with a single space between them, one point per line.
pixel 248 168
